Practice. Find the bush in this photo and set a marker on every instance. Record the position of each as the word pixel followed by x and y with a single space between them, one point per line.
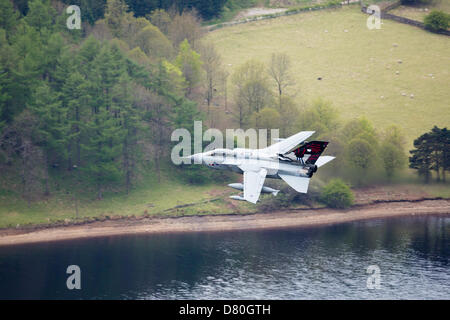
pixel 196 174
pixel 333 3
pixel 415 2
pixel 337 194
pixel 287 197
pixel 437 21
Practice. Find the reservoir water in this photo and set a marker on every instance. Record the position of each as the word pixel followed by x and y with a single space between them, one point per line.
pixel 411 254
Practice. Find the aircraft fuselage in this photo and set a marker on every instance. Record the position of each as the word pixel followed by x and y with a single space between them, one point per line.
pixel 233 161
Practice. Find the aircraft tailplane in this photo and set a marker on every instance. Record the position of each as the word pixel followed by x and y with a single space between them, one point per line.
pixel 323 160
pixel 299 184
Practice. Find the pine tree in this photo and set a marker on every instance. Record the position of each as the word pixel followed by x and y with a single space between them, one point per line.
pixel 74 99
pixel 108 67
pixel 104 131
pixel 86 55
pixel 8 16
pixel 129 115
pixel 445 152
pixel 158 115
pixel 4 97
pixel 441 145
pixel 5 82
pixel 20 66
pixel 52 51
pixel 51 126
pixel 436 155
pixel 115 15
pixel 421 156
pixel 103 146
pixel 40 16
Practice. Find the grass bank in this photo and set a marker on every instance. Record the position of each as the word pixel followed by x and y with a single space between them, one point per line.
pixel 418 12
pixel 169 197
pixel 278 219
pixel 395 75
pixel 174 198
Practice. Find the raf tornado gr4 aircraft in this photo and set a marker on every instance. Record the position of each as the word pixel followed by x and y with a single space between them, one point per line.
pixel 292 159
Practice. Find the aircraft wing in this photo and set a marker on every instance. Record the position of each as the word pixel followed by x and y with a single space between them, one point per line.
pixel 253 183
pixel 288 144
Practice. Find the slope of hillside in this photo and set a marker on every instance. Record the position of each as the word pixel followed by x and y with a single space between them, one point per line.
pixel 169 197
pixel 418 12
pixel 396 75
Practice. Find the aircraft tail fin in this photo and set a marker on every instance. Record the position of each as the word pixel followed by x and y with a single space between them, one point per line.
pixel 299 184
pixel 314 149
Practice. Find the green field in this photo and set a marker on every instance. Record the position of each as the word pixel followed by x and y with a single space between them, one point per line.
pixel 169 197
pixel 358 67
pixel 419 12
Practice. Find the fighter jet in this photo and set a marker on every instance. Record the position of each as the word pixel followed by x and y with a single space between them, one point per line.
pixel 292 159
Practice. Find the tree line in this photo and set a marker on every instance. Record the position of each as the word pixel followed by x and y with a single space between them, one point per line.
pixel 266 96
pixel 93 10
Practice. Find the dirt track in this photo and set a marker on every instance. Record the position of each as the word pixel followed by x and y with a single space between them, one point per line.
pixel 279 219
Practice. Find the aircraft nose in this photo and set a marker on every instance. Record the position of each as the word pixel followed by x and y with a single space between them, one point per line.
pixel 197 158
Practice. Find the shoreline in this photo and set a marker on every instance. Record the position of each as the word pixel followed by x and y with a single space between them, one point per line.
pixel 229 222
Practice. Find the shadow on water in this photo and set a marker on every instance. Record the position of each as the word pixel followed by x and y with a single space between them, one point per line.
pixel 328 262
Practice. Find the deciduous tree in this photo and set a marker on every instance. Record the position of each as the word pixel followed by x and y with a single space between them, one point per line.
pixel 252 91
pixel 189 62
pixel 280 72
pixel 392 151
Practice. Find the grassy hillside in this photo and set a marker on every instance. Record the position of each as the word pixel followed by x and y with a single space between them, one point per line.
pixel 358 66
pixel 419 12
pixel 169 197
